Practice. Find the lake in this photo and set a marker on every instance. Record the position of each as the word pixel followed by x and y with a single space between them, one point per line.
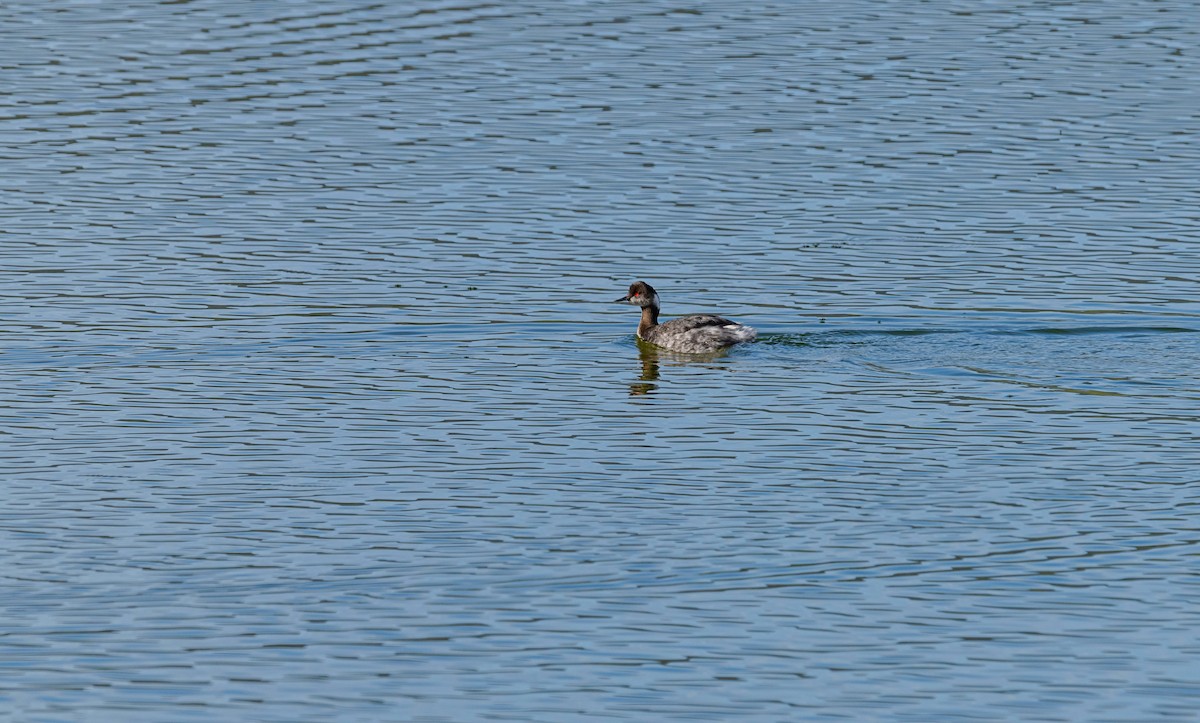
pixel 316 404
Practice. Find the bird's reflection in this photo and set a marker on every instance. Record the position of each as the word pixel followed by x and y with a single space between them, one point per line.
pixel 652 357
pixel 646 385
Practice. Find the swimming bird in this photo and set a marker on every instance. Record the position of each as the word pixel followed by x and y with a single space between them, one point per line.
pixel 696 333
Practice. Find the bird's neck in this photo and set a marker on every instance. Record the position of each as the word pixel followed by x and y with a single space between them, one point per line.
pixel 649 320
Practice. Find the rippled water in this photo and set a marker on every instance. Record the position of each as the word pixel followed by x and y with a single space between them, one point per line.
pixel 315 405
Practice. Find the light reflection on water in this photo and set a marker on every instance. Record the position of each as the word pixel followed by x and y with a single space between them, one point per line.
pixel 314 402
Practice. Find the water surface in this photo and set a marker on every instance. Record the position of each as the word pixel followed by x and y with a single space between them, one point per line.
pixel 314 403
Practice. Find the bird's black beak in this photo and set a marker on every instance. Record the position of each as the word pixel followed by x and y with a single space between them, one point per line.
pixel 623 300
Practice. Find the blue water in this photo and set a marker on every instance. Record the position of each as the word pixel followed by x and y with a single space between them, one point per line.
pixel 315 405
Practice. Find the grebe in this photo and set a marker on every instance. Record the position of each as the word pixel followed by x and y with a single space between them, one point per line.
pixel 696 333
